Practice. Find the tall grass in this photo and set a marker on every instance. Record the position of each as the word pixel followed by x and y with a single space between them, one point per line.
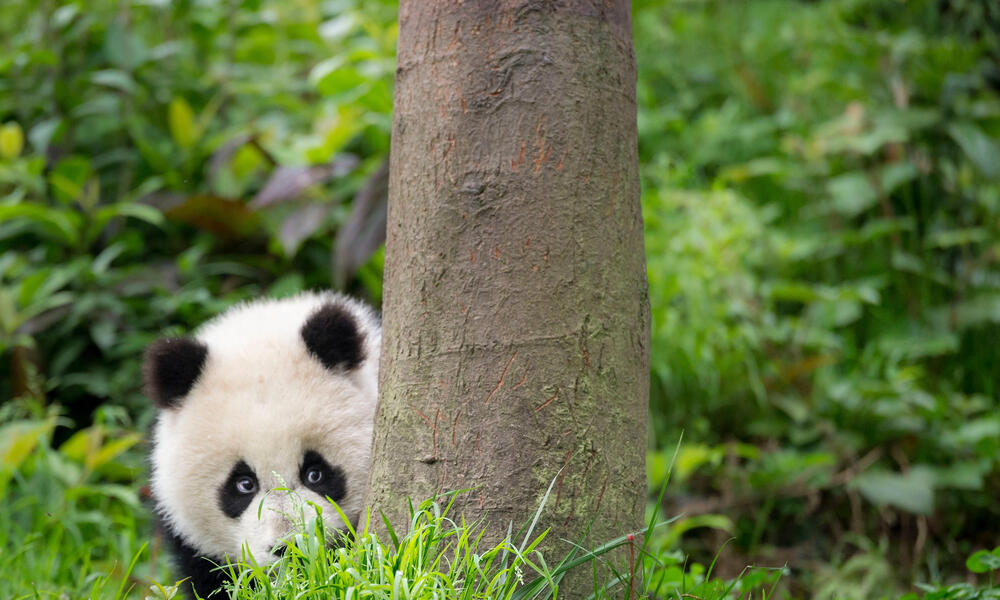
pixel 69 528
pixel 72 526
pixel 440 556
pixel 443 557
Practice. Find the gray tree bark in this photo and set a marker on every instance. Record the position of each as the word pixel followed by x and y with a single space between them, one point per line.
pixel 516 312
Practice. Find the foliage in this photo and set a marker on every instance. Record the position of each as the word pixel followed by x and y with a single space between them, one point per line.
pixel 73 527
pixel 822 201
pixel 72 524
pixel 983 561
pixel 821 189
pixel 162 160
pixel 435 556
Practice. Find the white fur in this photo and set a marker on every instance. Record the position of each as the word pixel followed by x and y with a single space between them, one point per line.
pixel 263 399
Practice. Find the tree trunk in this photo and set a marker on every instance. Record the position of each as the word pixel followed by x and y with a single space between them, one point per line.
pixel 516 313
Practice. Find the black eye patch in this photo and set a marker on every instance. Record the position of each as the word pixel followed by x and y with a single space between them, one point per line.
pixel 239 490
pixel 317 475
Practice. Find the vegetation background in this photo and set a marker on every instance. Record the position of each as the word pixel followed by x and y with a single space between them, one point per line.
pixel 821 190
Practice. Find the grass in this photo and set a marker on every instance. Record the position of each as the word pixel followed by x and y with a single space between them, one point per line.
pixel 438 557
pixel 441 557
pixel 72 526
pixel 68 527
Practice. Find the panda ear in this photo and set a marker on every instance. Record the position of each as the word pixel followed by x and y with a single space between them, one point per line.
pixel 171 367
pixel 331 334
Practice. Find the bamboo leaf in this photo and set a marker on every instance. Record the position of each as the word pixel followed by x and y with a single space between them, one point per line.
pixel 180 119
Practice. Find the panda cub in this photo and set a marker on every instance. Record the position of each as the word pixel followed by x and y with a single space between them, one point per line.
pixel 274 393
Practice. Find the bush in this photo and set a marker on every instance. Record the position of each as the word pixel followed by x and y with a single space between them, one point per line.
pixel 822 205
pixel 822 194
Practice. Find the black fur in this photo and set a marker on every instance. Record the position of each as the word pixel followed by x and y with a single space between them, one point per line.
pixel 171 367
pixel 332 335
pixel 231 501
pixel 333 484
pixel 204 576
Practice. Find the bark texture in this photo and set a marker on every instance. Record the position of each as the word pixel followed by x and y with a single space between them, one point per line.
pixel 516 312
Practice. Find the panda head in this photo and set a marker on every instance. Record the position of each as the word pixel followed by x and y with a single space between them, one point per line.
pixel 273 394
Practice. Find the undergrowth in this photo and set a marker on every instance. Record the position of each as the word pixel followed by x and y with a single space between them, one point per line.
pixel 72 526
pixel 71 522
pixel 442 556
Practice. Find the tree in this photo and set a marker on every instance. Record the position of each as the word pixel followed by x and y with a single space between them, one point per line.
pixel 516 328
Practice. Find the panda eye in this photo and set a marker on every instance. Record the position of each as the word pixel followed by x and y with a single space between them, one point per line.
pixel 314 475
pixel 317 475
pixel 238 491
pixel 245 485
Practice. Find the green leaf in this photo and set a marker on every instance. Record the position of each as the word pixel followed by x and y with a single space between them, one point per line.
pixel 64 15
pixel 287 285
pixel 122 48
pixel 154 148
pixel 102 261
pixel 950 238
pixel 895 175
pixel 69 178
pixel 47 303
pixel 333 76
pixel 42 133
pixel 981 149
pixel 974 431
pixel 980 309
pixel 11 140
pixel 112 449
pixel 62 225
pixel 796 291
pixel 142 212
pixel 693 456
pixel 75 448
pixel 851 193
pixel 181 121
pixel 912 491
pixel 683 525
pixel 9 319
pixel 104 333
pixel 917 343
pixel 18 439
pixel 963 475
pixel 116 79
pixel 984 561
pixel 31 284
pixel 336 134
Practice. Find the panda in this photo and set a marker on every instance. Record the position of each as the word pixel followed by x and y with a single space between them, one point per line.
pixel 270 394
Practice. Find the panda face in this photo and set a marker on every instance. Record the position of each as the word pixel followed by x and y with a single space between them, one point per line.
pixel 280 394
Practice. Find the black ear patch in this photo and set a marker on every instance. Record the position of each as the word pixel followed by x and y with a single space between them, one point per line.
pixel 171 367
pixel 331 335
